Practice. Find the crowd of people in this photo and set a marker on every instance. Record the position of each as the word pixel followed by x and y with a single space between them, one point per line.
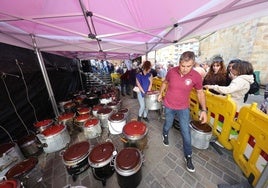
pixel 237 79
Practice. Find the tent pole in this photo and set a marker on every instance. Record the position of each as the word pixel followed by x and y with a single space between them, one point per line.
pixel 44 72
pixel 80 76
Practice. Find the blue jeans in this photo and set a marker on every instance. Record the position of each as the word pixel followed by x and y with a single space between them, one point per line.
pixel 184 118
pixel 143 111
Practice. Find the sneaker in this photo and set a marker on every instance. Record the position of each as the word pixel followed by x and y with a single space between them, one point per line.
pixel 146 119
pixel 189 164
pixel 139 118
pixel 165 140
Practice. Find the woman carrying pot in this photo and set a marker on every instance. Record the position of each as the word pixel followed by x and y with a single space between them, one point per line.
pixel 144 80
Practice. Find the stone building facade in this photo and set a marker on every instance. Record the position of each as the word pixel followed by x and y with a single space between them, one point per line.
pixel 247 41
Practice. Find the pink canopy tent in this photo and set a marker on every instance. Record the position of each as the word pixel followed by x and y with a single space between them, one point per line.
pixel 116 29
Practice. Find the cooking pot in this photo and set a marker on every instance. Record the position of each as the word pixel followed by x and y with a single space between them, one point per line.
pixel 80 120
pixel 69 107
pixel 62 103
pixel 42 125
pixel 200 134
pixel 26 171
pixel 125 111
pixel 84 110
pixel 151 101
pixel 115 105
pixel 103 115
pixel 116 122
pixel 135 133
pixel 12 183
pixel 55 137
pixel 92 128
pixel 128 163
pixel 67 119
pixel 30 145
pixel 91 100
pixel 10 155
pixel 100 159
pixel 105 98
pixel 96 108
pixel 75 158
pixel 79 99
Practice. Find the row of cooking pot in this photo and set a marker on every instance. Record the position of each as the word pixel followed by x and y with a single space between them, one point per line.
pixel 91 100
pixel 54 135
pixel 104 160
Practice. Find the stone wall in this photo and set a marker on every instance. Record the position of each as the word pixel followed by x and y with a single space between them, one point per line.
pixel 248 41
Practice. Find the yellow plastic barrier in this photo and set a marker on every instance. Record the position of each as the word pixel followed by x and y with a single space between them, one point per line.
pixel 157 82
pixel 221 114
pixel 115 77
pixel 250 149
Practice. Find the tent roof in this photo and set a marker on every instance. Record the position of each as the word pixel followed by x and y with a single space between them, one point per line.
pixel 116 29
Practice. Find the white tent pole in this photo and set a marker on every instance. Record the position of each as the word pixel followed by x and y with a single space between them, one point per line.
pixel 44 72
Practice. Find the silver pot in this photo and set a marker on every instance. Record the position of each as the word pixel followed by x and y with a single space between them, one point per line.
pixel 55 138
pixel 103 115
pixel 30 145
pixel 200 134
pixel 92 128
pixel 135 133
pixel 151 101
pixel 116 122
pixel 42 125
pixel 10 155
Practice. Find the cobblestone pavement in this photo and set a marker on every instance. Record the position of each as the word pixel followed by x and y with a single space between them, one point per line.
pixel 163 166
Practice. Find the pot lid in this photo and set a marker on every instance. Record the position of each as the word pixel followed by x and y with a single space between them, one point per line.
pixel 117 116
pixel 134 128
pixel 91 122
pixel 97 107
pixel 84 110
pixel 69 105
pixel 43 123
pixel 26 139
pixel 102 152
pixel 123 110
pixel 76 151
pixel 5 147
pixel 9 184
pixel 128 158
pixel 53 130
pixel 82 117
pixel 66 116
pixel 104 111
pixel 152 92
pixel 201 127
pixel 22 167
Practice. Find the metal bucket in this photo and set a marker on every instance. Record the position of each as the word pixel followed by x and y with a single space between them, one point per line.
pixel 151 101
pixel 200 134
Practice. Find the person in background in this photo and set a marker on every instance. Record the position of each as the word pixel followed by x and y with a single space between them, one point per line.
pixel 205 65
pixel 239 85
pixel 200 70
pixel 144 80
pixel 132 79
pixel 179 82
pixel 254 87
pixel 216 74
pixel 264 104
pixel 125 82
pixel 161 72
pixel 170 65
